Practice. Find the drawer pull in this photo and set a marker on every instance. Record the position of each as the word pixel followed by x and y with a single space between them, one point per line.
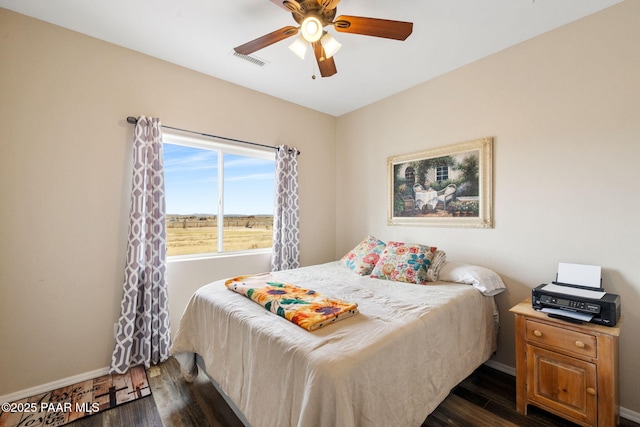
pixel 537 333
pixel 591 391
pixel 580 344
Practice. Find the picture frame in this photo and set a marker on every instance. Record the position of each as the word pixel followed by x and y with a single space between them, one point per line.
pixel 449 186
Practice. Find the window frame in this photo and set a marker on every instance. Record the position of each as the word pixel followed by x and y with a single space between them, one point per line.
pixel 222 146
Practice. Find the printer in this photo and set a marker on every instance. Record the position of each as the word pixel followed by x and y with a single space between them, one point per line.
pixel 577 296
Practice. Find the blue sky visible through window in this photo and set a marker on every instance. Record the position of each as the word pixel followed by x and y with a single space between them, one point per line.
pixel 191 176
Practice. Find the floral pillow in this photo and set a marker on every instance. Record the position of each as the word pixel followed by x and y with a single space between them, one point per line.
pixel 364 257
pixel 402 262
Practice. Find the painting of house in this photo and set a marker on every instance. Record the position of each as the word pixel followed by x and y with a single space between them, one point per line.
pixel 439 186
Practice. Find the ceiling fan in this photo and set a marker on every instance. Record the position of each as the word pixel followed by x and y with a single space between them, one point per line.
pixel 313 16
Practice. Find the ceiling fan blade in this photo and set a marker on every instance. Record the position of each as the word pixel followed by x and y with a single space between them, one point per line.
pixel 266 40
pixel 280 3
pixel 326 65
pixel 397 30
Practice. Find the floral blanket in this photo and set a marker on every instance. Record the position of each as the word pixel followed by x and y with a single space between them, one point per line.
pixel 304 307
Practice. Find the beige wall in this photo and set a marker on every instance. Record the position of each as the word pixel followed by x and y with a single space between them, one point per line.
pixel 564 109
pixel 64 184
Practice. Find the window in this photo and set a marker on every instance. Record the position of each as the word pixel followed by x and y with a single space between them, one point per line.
pixel 219 195
pixel 442 173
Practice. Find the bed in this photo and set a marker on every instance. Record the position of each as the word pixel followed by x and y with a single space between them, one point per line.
pixel 391 364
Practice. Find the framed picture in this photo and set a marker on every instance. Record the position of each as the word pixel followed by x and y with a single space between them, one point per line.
pixel 446 187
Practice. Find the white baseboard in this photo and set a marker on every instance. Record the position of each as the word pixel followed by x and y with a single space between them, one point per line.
pixel 624 412
pixel 630 415
pixel 12 397
pixel 501 367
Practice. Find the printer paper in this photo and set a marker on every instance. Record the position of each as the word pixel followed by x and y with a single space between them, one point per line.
pixel 568 290
pixel 572 314
pixel 579 274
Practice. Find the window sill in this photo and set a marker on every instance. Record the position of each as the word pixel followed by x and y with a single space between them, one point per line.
pixel 218 255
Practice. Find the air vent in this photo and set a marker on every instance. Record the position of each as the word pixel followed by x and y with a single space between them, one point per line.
pixel 251 59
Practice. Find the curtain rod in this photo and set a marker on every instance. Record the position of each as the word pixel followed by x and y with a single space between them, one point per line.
pixel 133 121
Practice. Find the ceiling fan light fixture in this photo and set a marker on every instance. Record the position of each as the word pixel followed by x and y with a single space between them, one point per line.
pixel 299 47
pixel 330 45
pixel 311 29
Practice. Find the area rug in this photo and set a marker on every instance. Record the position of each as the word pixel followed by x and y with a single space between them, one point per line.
pixel 64 405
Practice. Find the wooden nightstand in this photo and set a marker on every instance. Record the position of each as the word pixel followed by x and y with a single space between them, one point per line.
pixel 565 368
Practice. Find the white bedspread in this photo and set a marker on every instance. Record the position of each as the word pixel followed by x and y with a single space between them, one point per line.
pixel 390 365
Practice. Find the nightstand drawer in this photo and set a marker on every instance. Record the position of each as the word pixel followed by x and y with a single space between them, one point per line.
pixel 562 339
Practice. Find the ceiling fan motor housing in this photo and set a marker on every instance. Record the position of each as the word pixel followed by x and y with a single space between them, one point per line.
pixel 312 8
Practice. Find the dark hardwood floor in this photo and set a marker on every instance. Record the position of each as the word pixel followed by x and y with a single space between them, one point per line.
pixel 484 399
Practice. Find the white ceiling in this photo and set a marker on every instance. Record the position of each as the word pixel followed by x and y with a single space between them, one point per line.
pixel 201 34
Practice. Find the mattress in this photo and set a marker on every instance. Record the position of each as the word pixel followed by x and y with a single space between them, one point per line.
pixel 391 364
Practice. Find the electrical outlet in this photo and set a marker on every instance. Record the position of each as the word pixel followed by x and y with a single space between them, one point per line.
pixel 115 330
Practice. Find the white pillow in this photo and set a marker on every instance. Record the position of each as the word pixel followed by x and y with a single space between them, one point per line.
pixel 483 279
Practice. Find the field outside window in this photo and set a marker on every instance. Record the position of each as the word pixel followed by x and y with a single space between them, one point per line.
pixel 219 196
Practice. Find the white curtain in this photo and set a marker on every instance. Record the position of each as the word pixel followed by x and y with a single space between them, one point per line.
pixel 143 335
pixel 286 233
